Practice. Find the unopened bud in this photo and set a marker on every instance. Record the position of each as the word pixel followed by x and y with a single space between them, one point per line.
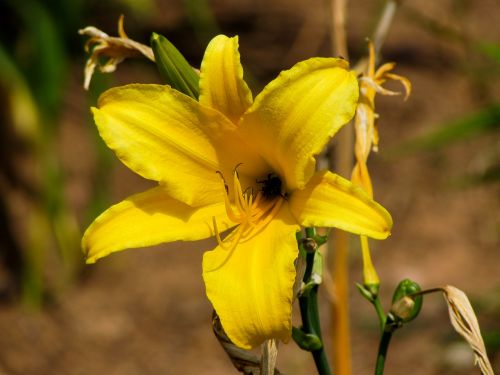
pixel 405 306
pixel 174 68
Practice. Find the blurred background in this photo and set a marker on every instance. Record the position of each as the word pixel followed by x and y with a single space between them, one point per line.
pixel 144 311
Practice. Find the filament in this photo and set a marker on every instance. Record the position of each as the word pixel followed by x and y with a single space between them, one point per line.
pixel 250 213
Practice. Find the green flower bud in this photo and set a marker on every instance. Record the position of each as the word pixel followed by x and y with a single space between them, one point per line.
pixel 404 306
pixel 174 68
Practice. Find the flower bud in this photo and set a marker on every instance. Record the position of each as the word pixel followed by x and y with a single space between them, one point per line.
pixel 174 68
pixel 406 307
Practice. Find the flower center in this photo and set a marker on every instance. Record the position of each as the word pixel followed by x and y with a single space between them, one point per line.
pixel 271 187
pixel 251 213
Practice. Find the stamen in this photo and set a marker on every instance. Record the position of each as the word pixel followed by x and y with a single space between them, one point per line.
pixel 217 234
pixel 229 209
pixel 250 213
pixel 271 214
pixel 263 223
pixel 262 211
pixel 257 200
pixel 223 180
pixel 239 199
pixel 233 242
pixel 248 206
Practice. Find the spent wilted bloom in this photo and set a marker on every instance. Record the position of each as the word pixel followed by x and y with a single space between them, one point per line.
pixel 370 83
pixel 112 49
pixel 230 163
pixel 464 321
pixel 365 127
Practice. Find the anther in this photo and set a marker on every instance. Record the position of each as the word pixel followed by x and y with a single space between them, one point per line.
pixel 247 190
pixel 235 170
pixel 224 180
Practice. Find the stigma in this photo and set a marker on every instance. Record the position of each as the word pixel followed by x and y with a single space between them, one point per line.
pixel 250 212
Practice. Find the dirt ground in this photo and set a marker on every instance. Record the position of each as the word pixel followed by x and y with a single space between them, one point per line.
pixel 145 312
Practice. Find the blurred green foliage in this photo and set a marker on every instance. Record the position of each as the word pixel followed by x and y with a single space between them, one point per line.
pixel 40 248
pixel 33 68
pixel 470 125
pixel 201 19
pixel 482 63
pixel 39 44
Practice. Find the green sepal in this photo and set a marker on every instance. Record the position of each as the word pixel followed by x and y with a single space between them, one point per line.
pixel 174 68
pixel 321 240
pixel 306 341
pixel 365 292
pixel 405 305
pixel 374 289
pixel 312 234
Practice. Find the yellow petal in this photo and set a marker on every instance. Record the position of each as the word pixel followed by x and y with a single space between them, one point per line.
pixel 221 79
pixel 251 287
pixel 332 201
pixel 168 137
pixel 297 113
pixel 148 219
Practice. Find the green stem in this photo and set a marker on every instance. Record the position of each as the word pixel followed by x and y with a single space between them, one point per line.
pixel 380 312
pixel 382 351
pixel 309 312
pixel 311 324
pixel 320 358
pixel 389 327
pixel 309 267
pixel 314 312
pixel 321 362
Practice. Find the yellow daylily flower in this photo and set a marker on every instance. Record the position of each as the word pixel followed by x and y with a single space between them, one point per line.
pixel 228 162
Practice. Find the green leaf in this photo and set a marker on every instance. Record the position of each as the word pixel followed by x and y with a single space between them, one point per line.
pixel 22 108
pixel 489 49
pixel 201 18
pixel 174 68
pixel 43 57
pixel 488 175
pixel 473 124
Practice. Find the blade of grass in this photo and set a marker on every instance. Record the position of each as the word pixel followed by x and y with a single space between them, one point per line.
pixel 473 124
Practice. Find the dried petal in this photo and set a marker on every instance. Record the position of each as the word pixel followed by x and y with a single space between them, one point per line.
pixel 464 321
pixel 115 49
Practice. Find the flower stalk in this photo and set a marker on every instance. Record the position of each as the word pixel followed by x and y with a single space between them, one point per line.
pixel 308 300
pixel 405 307
pixel 389 328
